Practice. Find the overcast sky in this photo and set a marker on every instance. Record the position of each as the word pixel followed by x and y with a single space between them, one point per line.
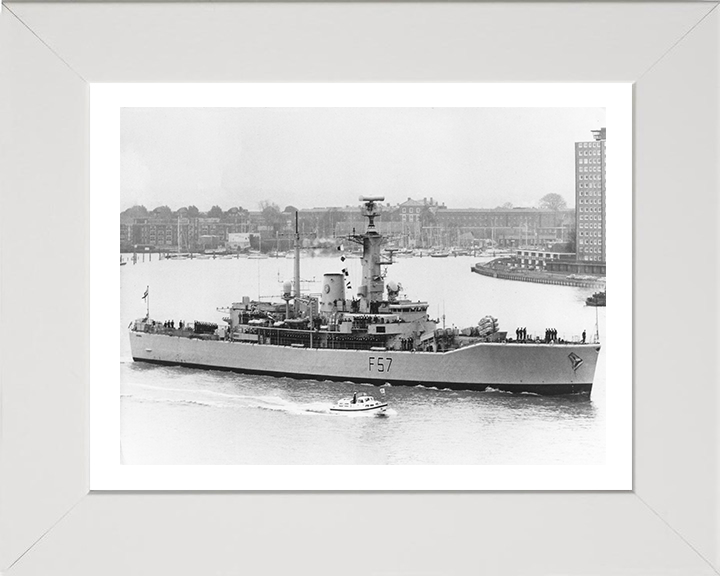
pixel 313 157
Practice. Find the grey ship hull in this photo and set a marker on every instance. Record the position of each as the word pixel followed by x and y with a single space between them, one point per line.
pixel 538 368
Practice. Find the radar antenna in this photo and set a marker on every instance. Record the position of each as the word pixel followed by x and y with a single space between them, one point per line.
pixel 371 210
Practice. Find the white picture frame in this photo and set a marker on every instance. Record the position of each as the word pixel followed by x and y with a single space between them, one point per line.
pixel 668 524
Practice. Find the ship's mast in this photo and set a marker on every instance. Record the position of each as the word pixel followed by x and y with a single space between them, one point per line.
pixel 146 297
pixel 373 285
pixel 597 326
pixel 297 264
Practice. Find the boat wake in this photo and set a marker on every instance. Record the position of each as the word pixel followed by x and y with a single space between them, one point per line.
pixel 277 404
pixel 370 414
pixel 213 399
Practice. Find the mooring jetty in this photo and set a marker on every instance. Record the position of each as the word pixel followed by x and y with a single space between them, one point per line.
pixel 496 269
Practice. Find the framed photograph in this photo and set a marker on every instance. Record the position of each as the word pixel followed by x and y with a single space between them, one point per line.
pixel 129 378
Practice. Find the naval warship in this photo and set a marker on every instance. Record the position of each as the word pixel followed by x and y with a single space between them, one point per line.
pixel 375 336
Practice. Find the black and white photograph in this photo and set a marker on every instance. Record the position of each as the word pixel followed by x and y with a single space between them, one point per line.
pixel 366 286
pixel 362 286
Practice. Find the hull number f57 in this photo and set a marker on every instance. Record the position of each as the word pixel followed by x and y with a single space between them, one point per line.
pixel 379 364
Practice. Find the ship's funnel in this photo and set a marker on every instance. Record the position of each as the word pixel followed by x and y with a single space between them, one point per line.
pixel 333 292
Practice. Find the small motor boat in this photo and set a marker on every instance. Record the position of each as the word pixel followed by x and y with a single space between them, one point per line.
pixel 360 403
pixel 597 299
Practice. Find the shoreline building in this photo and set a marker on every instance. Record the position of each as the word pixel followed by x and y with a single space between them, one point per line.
pixel 590 229
pixel 167 231
pixel 507 227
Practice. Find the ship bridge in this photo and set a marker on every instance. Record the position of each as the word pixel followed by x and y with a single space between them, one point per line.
pixel 410 311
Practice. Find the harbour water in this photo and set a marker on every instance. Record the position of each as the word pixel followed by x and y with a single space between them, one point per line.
pixel 177 415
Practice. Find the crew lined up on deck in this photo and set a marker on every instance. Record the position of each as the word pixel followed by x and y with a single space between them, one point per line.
pixel 550 335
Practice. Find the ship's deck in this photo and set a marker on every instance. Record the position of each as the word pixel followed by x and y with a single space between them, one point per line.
pixel 337 340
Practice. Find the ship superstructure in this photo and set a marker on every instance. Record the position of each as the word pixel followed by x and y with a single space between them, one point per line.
pixel 375 336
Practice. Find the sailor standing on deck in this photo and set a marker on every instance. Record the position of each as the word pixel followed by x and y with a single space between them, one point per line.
pixel 583 336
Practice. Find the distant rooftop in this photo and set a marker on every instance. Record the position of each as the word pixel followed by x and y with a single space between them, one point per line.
pixel 598 134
